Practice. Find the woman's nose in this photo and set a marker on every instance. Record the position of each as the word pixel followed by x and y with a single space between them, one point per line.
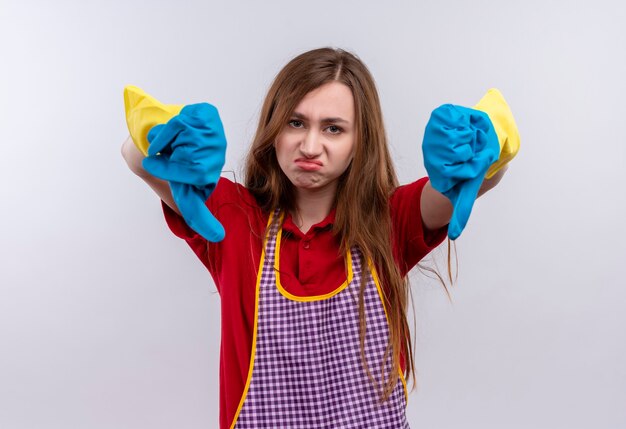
pixel 311 145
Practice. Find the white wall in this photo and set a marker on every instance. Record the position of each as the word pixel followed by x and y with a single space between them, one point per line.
pixel 109 321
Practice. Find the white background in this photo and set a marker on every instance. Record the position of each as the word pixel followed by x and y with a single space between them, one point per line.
pixel 109 321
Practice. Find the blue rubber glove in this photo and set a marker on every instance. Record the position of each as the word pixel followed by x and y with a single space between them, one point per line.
pixel 189 152
pixel 459 146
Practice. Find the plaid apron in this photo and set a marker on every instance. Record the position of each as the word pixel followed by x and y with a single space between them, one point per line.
pixel 306 370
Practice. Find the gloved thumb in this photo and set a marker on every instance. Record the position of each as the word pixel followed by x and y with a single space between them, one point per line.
pixel 191 203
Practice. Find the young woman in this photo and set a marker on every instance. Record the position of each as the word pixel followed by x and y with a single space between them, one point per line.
pixel 312 271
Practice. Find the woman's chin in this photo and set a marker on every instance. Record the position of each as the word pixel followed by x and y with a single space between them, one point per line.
pixel 307 181
pixel 315 187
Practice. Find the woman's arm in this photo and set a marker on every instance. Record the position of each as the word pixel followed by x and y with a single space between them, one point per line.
pixel 133 158
pixel 437 209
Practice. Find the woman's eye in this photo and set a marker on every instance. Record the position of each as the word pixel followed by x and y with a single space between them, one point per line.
pixel 334 129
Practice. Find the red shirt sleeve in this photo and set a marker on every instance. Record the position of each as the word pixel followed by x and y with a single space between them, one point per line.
pixel 179 227
pixel 207 252
pixel 412 240
pixel 237 211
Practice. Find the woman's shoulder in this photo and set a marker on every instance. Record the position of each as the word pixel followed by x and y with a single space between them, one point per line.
pixel 406 198
pixel 228 191
pixel 232 202
pixel 408 189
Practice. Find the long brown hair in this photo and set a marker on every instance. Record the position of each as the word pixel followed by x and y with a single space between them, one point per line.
pixel 362 199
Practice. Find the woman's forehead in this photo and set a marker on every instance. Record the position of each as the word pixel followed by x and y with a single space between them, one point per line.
pixel 330 101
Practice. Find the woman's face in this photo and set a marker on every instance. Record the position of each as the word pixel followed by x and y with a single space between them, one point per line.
pixel 316 146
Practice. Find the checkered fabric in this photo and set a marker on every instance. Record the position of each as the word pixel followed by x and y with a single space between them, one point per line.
pixel 307 367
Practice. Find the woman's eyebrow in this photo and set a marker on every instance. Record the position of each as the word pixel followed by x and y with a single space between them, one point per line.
pixel 325 120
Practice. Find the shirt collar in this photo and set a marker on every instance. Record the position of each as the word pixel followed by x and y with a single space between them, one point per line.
pixel 290 226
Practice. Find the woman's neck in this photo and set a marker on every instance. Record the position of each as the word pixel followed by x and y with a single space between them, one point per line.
pixel 312 206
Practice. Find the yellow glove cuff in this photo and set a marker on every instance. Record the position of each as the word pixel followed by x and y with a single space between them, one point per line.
pixel 494 105
pixel 144 112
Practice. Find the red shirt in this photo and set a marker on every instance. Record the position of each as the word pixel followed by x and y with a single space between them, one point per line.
pixel 310 265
